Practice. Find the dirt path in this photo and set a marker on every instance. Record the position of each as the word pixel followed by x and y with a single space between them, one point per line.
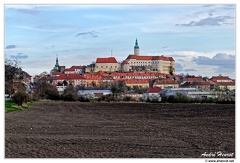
pixel 113 130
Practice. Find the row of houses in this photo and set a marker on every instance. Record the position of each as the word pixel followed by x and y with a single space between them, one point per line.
pixel 143 79
pixel 215 82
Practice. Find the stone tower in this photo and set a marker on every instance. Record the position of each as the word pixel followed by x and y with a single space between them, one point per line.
pixel 136 48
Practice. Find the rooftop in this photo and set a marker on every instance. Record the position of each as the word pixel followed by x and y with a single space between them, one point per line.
pixel 106 60
pixel 132 56
pixel 71 77
pixel 154 90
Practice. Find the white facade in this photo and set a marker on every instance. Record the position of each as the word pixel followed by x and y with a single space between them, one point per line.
pixel 190 92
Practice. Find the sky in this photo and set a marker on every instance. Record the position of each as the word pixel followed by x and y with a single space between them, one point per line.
pixel 201 38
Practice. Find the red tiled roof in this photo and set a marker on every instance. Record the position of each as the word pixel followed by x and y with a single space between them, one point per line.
pixel 92 77
pixel 166 81
pixel 71 77
pixel 77 67
pixel 193 79
pixel 69 69
pixel 107 77
pixel 106 60
pixel 101 73
pixel 201 83
pixel 136 81
pixel 125 62
pixel 154 90
pixel 215 78
pixel 150 58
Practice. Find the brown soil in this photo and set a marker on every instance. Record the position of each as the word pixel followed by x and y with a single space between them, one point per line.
pixel 119 130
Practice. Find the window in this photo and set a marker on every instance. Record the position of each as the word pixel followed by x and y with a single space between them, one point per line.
pixel 106 66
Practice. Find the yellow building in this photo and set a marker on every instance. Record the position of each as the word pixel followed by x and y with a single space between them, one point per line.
pixel 137 82
pixel 107 65
pixel 166 83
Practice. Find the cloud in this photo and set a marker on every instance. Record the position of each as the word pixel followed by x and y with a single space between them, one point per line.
pixel 86 34
pixel 181 60
pixel 28 11
pixel 213 21
pixel 178 67
pixel 10 46
pixel 19 56
pixel 189 69
pixel 50 47
pixel 47 28
pixel 164 47
pixel 208 5
pixel 222 60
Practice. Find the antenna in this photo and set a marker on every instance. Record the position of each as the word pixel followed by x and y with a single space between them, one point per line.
pixel 111 52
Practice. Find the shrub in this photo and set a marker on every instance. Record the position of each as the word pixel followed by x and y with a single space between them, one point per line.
pixel 225 99
pixel 45 90
pixel 109 98
pixel 68 97
pixel 154 98
pixel 181 97
pixel 150 98
pixel 127 98
pixel 86 97
pixel 21 97
pixel 178 98
pixel 52 94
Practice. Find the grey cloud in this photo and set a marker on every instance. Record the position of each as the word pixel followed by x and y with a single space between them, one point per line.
pixel 214 21
pixel 221 60
pixel 86 34
pixel 164 47
pixel 181 60
pixel 10 47
pixel 28 11
pixel 208 5
pixel 225 6
pixel 190 69
pixel 19 55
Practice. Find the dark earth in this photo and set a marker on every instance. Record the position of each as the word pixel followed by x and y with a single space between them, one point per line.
pixel 120 130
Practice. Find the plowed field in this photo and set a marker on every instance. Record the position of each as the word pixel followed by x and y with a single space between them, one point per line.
pixel 119 130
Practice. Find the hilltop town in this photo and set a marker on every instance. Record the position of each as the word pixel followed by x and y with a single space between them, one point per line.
pixel 137 75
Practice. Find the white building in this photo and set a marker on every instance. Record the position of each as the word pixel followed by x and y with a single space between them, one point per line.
pixel 190 92
pixel 96 93
pixel 138 62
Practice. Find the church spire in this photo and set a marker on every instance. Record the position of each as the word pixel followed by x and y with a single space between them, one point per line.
pixel 136 48
pixel 57 65
pixel 136 44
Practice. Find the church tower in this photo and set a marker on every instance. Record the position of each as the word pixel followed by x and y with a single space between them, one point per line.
pixel 57 65
pixel 136 48
pixel 56 68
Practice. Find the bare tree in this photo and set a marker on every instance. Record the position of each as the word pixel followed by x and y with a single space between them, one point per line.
pixel 12 72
